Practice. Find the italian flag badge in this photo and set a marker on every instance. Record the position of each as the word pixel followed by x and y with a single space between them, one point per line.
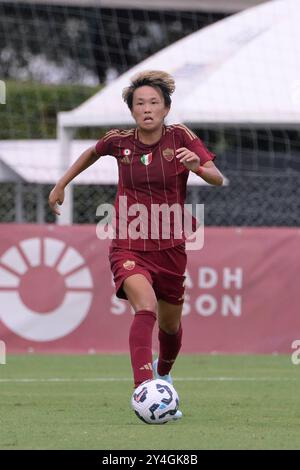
pixel 146 158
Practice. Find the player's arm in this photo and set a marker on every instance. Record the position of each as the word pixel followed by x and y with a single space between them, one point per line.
pixel 208 171
pixel 57 195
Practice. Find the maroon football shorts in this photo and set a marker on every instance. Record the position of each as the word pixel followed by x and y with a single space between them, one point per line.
pixel 164 270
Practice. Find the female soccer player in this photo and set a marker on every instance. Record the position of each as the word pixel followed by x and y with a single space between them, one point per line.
pixel 147 255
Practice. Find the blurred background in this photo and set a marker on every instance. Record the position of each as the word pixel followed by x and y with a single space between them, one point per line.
pixel 54 55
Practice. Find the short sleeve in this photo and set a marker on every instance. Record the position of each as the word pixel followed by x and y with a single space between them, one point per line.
pixel 193 143
pixel 104 145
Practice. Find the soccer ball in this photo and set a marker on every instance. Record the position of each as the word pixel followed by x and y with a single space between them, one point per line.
pixel 155 401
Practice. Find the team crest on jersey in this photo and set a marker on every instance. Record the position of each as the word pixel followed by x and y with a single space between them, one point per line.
pixel 146 158
pixel 129 265
pixel 168 154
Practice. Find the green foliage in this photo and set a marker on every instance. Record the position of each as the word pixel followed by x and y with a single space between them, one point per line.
pixel 31 108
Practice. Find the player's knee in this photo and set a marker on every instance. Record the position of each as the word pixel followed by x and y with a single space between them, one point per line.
pixel 149 305
pixel 170 327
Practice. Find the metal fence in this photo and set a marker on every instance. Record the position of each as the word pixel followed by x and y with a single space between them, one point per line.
pixel 248 200
pixel 262 165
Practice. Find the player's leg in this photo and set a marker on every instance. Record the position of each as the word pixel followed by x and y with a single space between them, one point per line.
pixel 142 298
pixel 170 335
pixel 170 292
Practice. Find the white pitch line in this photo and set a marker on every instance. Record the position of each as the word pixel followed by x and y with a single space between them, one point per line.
pixel 128 379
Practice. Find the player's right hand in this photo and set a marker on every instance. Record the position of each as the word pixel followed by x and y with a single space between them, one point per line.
pixel 56 196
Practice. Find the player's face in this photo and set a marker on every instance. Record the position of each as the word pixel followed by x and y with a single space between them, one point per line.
pixel 148 108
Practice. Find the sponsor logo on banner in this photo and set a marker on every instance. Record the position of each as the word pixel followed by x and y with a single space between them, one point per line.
pixel 57 294
pixel 129 265
pixel 146 158
pixel 46 288
pixel 168 154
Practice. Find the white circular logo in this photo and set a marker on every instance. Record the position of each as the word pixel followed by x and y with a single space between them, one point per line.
pixel 45 289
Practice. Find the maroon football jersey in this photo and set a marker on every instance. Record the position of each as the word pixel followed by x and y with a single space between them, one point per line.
pixel 151 178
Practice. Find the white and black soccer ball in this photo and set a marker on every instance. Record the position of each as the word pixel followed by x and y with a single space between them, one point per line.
pixel 155 401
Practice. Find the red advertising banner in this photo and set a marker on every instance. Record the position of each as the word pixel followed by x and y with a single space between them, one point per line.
pixel 57 294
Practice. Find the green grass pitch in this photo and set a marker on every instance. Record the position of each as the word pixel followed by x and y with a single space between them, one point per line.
pixel 82 402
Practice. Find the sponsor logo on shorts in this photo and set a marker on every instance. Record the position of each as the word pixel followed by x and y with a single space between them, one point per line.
pixel 168 154
pixel 129 264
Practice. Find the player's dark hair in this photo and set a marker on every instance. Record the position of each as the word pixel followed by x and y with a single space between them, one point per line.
pixel 154 78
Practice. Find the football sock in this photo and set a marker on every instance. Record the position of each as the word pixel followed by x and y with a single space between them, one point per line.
pixel 169 347
pixel 140 343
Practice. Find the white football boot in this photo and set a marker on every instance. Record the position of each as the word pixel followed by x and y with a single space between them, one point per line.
pixel 167 378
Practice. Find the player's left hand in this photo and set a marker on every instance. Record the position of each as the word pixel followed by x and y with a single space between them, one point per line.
pixel 188 158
